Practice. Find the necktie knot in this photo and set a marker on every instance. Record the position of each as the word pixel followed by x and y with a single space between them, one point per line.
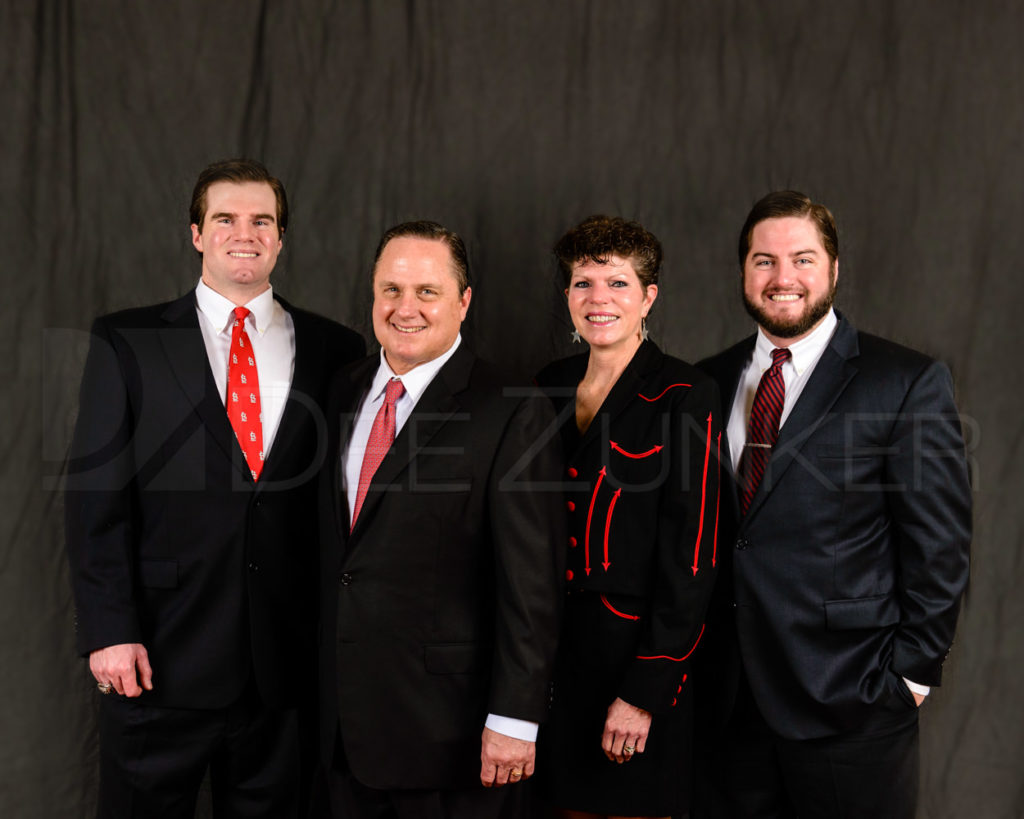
pixel 780 355
pixel 241 314
pixel 393 391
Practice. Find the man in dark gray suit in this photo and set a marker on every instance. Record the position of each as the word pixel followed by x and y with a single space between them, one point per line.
pixel 851 518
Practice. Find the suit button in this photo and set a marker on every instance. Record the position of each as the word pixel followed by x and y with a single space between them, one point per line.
pixel 253 567
pixel 572 542
pixel 346 579
pixel 742 544
pixel 572 472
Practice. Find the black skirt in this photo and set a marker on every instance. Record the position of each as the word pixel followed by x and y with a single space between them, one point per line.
pixel 572 771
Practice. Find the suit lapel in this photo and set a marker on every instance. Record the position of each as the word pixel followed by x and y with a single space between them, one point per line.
pixel 734 367
pixel 182 342
pixel 347 393
pixel 306 374
pixel 434 409
pixel 831 375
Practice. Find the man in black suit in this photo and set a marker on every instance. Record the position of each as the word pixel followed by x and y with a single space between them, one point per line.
pixel 191 520
pixel 441 538
pixel 839 596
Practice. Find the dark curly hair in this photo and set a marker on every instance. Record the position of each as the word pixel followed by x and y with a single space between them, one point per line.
pixel 597 238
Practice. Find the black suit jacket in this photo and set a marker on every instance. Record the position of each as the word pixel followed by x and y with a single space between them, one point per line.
pixel 441 606
pixel 171 543
pixel 847 572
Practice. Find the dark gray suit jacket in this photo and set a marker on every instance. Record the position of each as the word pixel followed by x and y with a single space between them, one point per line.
pixel 847 572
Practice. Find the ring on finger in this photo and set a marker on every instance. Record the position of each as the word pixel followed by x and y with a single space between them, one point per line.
pixel 104 687
pixel 515 773
pixel 628 749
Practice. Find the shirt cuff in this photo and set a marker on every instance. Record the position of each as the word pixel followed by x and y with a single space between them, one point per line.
pixel 511 727
pixel 923 690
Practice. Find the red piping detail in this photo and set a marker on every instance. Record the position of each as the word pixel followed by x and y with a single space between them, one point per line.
pixel 608 525
pixel 703 496
pixel 676 659
pixel 646 454
pixel 618 613
pixel 669 387
pixel 590 515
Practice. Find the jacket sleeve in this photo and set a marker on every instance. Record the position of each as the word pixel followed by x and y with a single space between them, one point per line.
pixel 685 554
pixel 99 501
pixel 527 524
pixel 929 498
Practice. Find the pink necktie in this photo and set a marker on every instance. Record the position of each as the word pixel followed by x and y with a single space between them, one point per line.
pixel 382 436
pixel 243 401
pixel 763 429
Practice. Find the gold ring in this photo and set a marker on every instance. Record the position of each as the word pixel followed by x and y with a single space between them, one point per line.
pixel 105 688
pixel 515 773
pixel 628 749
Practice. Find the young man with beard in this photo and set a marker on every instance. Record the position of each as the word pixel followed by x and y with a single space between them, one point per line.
pixel 846 543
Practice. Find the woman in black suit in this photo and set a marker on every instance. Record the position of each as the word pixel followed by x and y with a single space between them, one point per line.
pixel 641 437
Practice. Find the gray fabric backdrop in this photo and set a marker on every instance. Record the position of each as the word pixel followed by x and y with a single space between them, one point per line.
pixel 509 122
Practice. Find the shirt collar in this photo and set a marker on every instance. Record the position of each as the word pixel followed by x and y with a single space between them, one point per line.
pixel 417 379
pixel 219 310
pixel 804 352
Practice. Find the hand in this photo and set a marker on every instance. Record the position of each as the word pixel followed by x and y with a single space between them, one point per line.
pixel 500 755
pixel 626 726
pixel 118 664
pixel 918 698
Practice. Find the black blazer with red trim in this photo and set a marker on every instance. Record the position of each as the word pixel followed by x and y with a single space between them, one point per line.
pixel 442 604
pixel 171 543
pixel 642 503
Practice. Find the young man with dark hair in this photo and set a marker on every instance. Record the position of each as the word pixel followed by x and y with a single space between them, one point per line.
pixel 191 520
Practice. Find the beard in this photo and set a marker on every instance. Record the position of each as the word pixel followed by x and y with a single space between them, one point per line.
pixel 814 312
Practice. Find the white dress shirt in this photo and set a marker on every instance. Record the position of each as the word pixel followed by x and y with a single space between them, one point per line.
pixel 272 334
pixel 796 372
pixel 415 382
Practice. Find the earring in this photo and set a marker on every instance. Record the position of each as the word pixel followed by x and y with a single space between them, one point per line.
pixel 576 337
pixel 643 329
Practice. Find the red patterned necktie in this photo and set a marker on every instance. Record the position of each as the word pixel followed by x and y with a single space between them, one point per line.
pixel 763 429
pixel 382 436
pixel 244 395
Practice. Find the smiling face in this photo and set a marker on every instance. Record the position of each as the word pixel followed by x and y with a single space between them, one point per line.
pixel 607 302
pixel 417 306
pixel 789 282
pixel 239 239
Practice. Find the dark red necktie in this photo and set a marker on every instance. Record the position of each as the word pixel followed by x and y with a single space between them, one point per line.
pixel 763 428
pixel 382 436
pixel 243 401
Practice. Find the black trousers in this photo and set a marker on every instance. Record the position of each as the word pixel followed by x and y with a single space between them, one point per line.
pixel 153 760
pixel 870 772
pixel 350 799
